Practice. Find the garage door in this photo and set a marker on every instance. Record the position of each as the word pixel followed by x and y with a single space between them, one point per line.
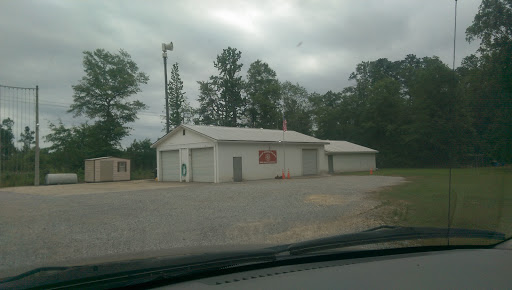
pixel 170 165
pixel 202 165
pixel 309 162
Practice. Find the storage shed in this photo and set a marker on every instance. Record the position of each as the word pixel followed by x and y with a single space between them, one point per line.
pixel 224 154
pixel 107 169
pixel 343 156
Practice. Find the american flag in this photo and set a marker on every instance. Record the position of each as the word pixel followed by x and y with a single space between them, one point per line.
pixel 284 124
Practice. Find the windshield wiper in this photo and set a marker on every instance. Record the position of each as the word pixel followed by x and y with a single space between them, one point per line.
pixel 384 234
pixel 115 274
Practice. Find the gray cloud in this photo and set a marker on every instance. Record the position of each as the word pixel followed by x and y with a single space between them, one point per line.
pixel 42 42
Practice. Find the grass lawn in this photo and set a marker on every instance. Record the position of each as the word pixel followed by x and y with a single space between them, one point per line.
pixel 481 198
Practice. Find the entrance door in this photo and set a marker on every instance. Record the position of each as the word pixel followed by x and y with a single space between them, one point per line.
pixel 237 169
pixel 331 165
pixel 107 170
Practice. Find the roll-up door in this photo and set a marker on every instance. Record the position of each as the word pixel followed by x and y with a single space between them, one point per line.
pixel 202 165
pixel 170 165
pixel 309 162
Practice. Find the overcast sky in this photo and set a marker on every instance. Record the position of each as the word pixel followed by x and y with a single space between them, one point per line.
pixel 41 42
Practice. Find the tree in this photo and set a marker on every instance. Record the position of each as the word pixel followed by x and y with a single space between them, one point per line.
pixel 179 108
pixel 142 156
pixel 492 25
pixel 383 121
pixel 70 146
pixel 326 116
pixel 263 91
pixel 296 107
pixel 488 78
pixel 438 127
pixel 223 92
pixel 7 147
pixel 103 92
pixel 27 138
pixel 211 109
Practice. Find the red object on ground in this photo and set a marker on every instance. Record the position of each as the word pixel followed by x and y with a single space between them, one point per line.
pixel 283 174
pixel 288 173
pixel 371 171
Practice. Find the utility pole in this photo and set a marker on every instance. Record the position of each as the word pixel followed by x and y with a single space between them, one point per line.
pixel 454 36
pixel 36 162
pixel 165 48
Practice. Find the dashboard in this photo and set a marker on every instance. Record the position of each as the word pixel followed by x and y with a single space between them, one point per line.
pixel 459 268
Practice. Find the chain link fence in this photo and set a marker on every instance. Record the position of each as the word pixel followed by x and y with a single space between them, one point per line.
pixel 19 136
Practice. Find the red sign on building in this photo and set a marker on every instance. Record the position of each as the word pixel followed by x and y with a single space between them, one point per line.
pixel 268 156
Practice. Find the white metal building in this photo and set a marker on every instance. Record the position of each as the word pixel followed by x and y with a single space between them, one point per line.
pixel 224 154
pixel 343 156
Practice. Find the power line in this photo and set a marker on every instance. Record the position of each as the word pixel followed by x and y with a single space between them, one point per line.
pixel 20 88
pixel 65 105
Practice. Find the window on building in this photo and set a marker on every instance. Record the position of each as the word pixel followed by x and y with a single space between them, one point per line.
pixel 121 166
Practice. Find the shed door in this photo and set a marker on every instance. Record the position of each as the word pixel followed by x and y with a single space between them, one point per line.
pixel 202 165
pixel 309 162
pixel 107 170
pixel 170 164
pixel 89 171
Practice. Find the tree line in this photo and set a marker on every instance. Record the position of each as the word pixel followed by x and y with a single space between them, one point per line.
pixel 416 111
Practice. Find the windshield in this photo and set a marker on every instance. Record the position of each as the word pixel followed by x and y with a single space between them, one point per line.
pixel 135 126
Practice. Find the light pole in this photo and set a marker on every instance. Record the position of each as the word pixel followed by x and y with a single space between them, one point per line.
pixel 166 47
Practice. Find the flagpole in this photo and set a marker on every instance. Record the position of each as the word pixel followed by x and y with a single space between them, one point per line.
pixel 284 148
pixel 284 155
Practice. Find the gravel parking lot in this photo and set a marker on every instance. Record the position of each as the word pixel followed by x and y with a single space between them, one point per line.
pixel 50 224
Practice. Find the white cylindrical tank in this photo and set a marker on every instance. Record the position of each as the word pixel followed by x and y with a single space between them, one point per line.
pixel 61 178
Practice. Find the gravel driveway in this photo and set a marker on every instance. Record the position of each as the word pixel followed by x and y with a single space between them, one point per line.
pixel 37 229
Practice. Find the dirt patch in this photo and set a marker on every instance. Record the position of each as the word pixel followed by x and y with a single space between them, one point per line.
pixel 325 199
pixel 367 216
pixel 250 232
pixel 371 213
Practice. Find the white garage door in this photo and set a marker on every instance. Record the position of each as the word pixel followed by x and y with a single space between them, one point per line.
pixel 170 165
pixel 309 162
pixel 202 165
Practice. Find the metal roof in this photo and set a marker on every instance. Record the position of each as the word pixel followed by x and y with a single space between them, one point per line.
pixel 346 147
pixel 98 158
pixel 235 134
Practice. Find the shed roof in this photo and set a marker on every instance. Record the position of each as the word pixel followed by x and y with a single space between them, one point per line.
pixel 235 134
pixel 346 147
pixel 106 157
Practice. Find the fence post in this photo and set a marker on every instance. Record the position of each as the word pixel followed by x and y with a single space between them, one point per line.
pixel 36 169
pixel 1 155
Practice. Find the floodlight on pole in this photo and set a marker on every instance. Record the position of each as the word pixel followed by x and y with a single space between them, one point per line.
pixel 166 47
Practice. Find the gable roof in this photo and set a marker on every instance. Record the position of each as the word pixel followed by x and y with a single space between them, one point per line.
pixel 346 147
pixel 235 134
